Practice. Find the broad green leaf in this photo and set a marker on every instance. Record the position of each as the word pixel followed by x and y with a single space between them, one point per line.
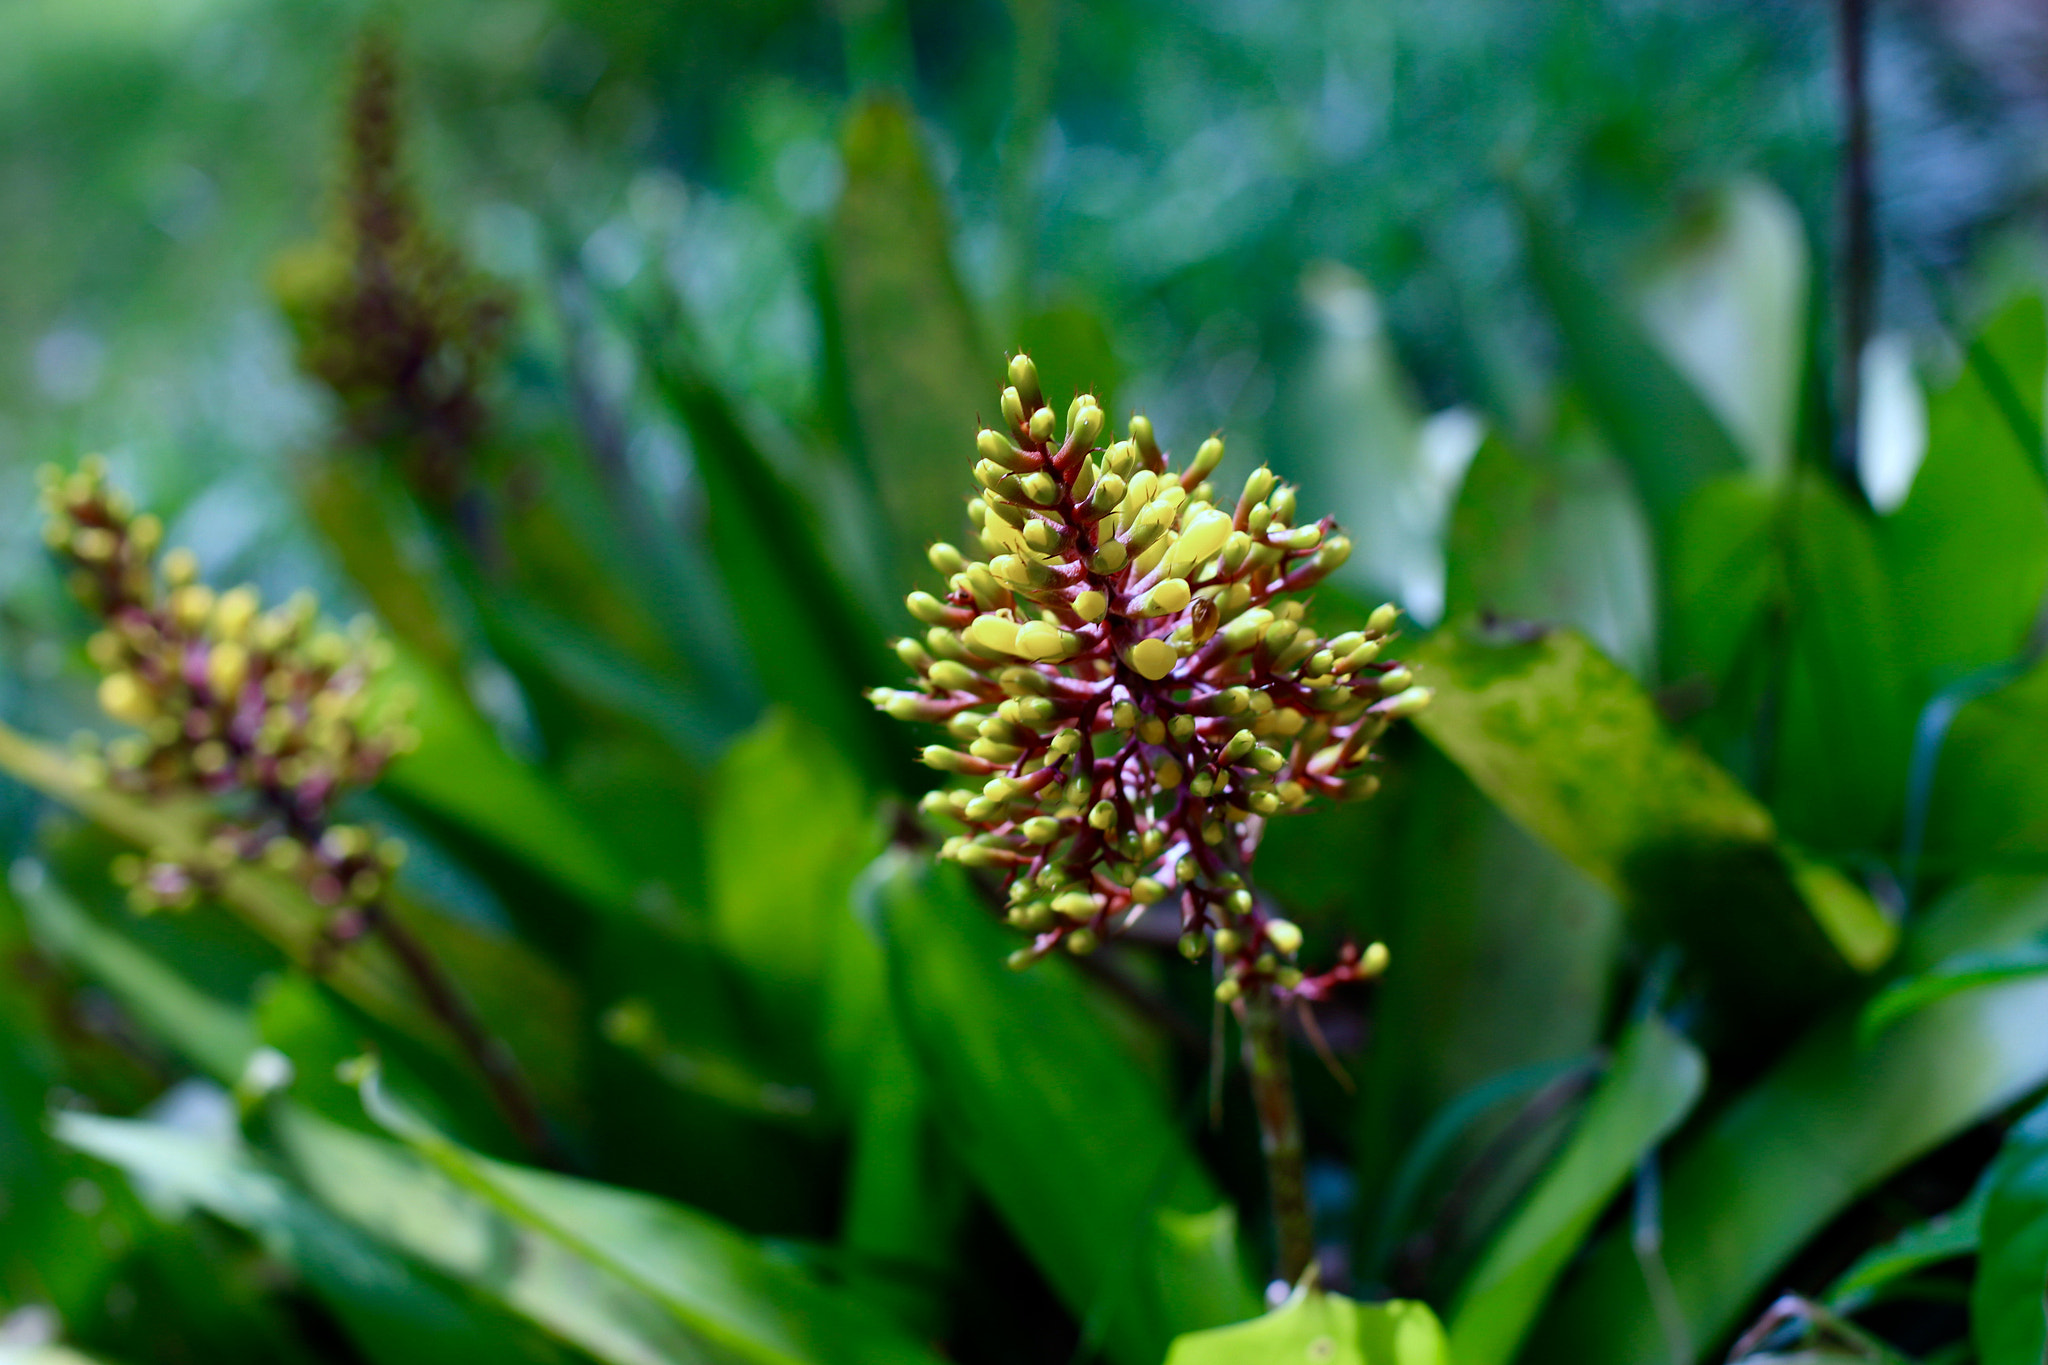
pixel 1658 423
pixel 1558 538
pixel 1571 747
pixel 461 773
pixel 397 1314
pixel 814 643
pixel 1368 453
pixel 215 1036
pixel 1828 1122
pixel 1941 1238
pixel 622 1275
pixel 789 829
pixel 1655 1080
pixel 1845 718
pixel 1506 957
pixel 916 368
pixel 1314 1328
pixel 1722 572
pixel 517 995
pixel 1990 789
pixel 1967 553
pixel 1963 972
pixel 1019 1066
pixel 1725 300
pixel 2009 1299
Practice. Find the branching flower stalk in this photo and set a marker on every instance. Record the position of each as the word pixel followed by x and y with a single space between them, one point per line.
pixel 1132 690
pixel 387 313
pixel 265 715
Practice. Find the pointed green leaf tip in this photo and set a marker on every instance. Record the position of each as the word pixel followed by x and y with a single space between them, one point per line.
pixel 1314 1328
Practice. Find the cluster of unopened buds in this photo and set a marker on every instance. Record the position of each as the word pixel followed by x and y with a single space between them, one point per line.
pixel 1129 695
pixel 265 713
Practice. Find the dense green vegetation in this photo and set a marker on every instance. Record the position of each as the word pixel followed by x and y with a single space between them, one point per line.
pixel 622 362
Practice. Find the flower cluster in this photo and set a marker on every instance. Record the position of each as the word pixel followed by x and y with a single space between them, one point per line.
pixel 266 713
pixel 1129 693
pixel 387 314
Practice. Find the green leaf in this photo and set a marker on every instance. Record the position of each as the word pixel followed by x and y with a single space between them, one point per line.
pixel 1967 552
pixel 623 1275
pixel 1990 790
pixel 1941 1238
pixel 1571 747
pixel 1725 300
pixel 1558 538
pixel 788 831
pixel 1660 426
pixel 1364 449
pixel 1322 1329
pixel 1723 571
pixel 1845 721
pixel 1655 1080
pixel 814 643
pixel 1124 1222
pixel 2009 1300
pixel 397 1314
pixel 1963 972
pixel 518 996
pixel 463 774
pixel 215 1036
pixel 916 367
pixel 1829 1121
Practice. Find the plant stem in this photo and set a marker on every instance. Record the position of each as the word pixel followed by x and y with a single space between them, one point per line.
pixel 491 1058
pixel 1859 236
pixel 1265 1058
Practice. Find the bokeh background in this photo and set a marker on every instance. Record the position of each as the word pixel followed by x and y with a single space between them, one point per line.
pixel 1544 301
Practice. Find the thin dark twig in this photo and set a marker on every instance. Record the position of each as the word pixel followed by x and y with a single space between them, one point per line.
pixel 493 1061
pixel 1859 231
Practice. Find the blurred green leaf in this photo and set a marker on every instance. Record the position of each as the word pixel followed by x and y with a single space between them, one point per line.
pixel 2009 1300
pixel 1654 1081
pixel 788 831
pixel 1725 299
pixel 462 773
pixel 1659 424
pixel 1364 448
pixel 1558 539
pixel 517 995
pixel 1317 1327
pixel 1963 972
pixel 814 643
pixel 1828 1122
pixel 1990 787
pixel 1941 1238
pixel 1723 572
pixel 396 1314
pixel 1570 746
pixel 623 1275
pixel 215 1036
pixel 1019 1067
pixel 1967 552
pixel 1845 716
pixel 916 367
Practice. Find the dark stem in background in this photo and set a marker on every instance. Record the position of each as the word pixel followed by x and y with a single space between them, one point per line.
pixel 487 1054
pixel 1265 1059
pixel 1858 276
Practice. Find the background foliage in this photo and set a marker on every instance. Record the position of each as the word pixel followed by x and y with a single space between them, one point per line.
pixel 1713 883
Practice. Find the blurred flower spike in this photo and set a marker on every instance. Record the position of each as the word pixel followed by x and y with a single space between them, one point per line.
pixel 264 713
pixel 1130 695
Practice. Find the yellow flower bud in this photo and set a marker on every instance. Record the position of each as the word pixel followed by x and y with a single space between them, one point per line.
pixel 1153 659
pixel 1284 935
pixel 124 697
pixel 1091 606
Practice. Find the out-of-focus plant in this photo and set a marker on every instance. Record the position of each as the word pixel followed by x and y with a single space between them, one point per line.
pixel 267 716
pixel 388 315
pixel 1139 693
